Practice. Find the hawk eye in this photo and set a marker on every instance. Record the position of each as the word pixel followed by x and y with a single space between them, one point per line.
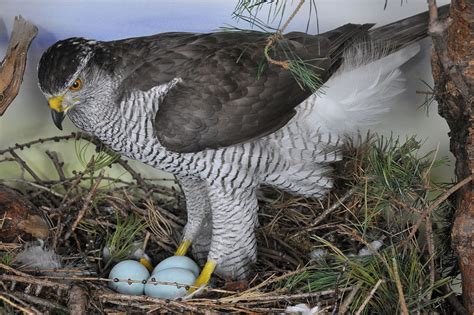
pixel 76 86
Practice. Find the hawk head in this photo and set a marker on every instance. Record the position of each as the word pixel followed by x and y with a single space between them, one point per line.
pixel 71 76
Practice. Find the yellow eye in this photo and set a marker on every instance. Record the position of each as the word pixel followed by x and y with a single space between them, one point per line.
pixel 76 86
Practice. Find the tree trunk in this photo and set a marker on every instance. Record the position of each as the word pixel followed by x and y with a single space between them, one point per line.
pixel 453 72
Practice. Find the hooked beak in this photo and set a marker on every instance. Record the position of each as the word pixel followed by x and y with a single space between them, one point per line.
pixel 57 110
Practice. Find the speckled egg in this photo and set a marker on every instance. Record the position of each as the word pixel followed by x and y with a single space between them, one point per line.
pixel 129 269
pixel 177 262
pixel 165 291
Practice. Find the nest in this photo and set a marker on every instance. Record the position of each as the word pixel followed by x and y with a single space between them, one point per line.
pixel 379 243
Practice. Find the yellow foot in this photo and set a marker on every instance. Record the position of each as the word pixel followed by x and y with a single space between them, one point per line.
pixel 205 275
pixel 145 262
pixel 183 248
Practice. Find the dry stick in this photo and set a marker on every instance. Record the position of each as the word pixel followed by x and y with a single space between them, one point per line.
pixel 453 300
pixel 58 165
pixel 325 213
pixel 77 300
pixel 367 299
pixel 12 67
pixel 13 270
pixel 401 296
pixel 348 300
pixel 25 166
pixel 38 141
pixel 84 208
pixel 39 301
pixel 431 252
pixel 135 175
pixel 434 205
pixel 111 297
pixel 33 280
pixel 273 279
pixel 19 307
pixel 283 297
pixel 32 184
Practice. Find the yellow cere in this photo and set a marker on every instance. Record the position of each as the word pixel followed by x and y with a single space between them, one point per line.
pixel 56 103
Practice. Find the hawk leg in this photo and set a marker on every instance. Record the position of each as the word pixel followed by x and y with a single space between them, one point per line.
pixel 198 208
pixel 233 244
pixel 202 241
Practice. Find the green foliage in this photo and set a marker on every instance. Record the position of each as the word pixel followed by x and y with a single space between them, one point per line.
pixel 94 162
pixel 364 272
pixel 250 10
pixel 6 258
pixel 392 185
pixel 429 97
pixel 305 75
pixel 120 243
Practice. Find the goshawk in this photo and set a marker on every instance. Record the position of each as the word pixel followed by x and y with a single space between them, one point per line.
pixel 210 109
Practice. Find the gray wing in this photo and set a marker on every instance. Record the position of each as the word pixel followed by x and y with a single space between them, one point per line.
pixel 229 94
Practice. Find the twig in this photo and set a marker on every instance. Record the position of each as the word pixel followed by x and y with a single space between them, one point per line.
pixel 78 301
pixel 33 280
pixel 433 206
pixel 232 299
pixel 348 300
pixel 17 306
pixel 367 299
pixel 112 297
pixel 25 166
pixel 40 301
pixel 453 300
pixel 13 270
pixel 32 184
pixel 136 176
pixel 58 165
pixel 325 213
pixel 401 296
pixel 84 208
pixel 337 290
pixel 431 253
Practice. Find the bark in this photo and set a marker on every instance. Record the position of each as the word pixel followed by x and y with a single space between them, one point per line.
pixel 453 72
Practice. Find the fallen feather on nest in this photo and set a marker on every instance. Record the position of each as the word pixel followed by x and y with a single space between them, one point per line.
pixel 38 257
pixel 303 309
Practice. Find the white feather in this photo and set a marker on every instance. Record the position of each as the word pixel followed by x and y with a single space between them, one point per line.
pixel 37 256
pixel 365 87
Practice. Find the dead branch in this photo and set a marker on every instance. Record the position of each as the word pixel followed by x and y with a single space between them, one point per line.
pixel 435 205
pixel 371 294
pixel 13 65
pixel 85 206
pixel 78 300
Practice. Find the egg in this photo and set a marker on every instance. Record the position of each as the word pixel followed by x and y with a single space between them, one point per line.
pixel 168 291
pixel 129 269
pixel 177 262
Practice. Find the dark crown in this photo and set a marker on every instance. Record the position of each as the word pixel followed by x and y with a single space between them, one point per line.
pixel 60 61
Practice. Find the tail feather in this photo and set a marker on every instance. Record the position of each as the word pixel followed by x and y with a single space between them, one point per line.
pixel 364 88
pixel 405 32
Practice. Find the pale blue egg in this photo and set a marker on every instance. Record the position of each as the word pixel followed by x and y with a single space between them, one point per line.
pixel 177 262
pixel 129 269
pixel 167 291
